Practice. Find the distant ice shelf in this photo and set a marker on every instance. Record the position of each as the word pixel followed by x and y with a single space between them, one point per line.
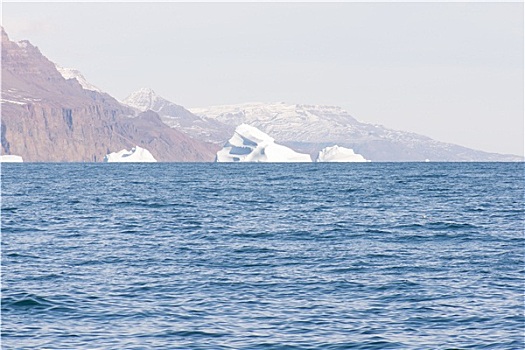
pixel 249 144
pixel 339 154
pixel 135 155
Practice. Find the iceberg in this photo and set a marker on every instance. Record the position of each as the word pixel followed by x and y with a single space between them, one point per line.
pixel 136 155
pixel 8 158
pixel 339 154
pixel 249 144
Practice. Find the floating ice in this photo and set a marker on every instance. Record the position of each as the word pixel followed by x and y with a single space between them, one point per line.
pixel 136 155
pixel 339 154
pixel 8 158
pixel 249 144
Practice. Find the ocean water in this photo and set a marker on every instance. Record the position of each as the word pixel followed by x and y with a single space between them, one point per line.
pixel 263 256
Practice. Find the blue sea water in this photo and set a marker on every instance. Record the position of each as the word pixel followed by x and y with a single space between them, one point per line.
pixel 263 256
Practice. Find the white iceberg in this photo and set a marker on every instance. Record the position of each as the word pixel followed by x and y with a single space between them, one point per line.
pixel 339 154
pixel 136 155
pixel 249 144
pixel 9 158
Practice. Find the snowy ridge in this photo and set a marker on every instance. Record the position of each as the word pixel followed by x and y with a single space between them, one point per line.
pixel 249 144
pixel 339 154
pixel 286 122
pixel 306 128
pixel 70 73
pixel 178 117
pixel 301 123
pixel 135 155
pixel 310 128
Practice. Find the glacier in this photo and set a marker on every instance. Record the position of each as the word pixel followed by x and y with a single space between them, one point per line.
pixel 9 158
pixel 249 144
pixel 135 155
pixel 339 154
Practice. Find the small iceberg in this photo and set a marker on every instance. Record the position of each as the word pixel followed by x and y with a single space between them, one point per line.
pixel 249 144
pixel 339 154
pixel 9 158
pixel 136 155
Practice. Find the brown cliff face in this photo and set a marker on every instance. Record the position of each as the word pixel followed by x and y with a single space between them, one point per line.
pixel 48 118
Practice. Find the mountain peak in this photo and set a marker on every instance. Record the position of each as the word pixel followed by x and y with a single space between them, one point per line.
pixel 146 90
pixel 143 99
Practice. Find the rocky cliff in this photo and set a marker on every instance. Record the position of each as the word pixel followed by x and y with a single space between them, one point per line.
pixel 45 117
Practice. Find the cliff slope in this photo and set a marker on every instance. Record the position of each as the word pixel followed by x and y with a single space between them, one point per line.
pixel 48 118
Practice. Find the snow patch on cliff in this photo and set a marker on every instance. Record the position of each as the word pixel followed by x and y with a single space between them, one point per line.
pixel 339 154
pixel 136 155
pixel 249 144
pixel 13 102
pixel 8 158
pixel 24 44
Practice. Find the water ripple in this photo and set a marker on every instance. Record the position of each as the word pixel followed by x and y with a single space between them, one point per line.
pixel 262 256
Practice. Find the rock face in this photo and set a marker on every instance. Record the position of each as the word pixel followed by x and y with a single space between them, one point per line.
pixel 249 144
pixel 135 155
pixel 339 154
pixel 46 117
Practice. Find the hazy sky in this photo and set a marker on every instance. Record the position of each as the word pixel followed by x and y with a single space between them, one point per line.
pixel 451 71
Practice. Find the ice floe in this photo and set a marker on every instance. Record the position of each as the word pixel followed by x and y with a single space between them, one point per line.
pixel 9 158
pixel 135 155
pixel 249 144
pixel 339 154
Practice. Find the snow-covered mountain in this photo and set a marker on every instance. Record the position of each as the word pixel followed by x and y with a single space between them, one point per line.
pixel 310 128
pixel 286 122
pixel 70 73
pixel 339 154
pixel 178 117
pixel 307 129
pixel 249 144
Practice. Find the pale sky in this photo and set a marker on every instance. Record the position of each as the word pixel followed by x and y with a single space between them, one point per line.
pixel 450 71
